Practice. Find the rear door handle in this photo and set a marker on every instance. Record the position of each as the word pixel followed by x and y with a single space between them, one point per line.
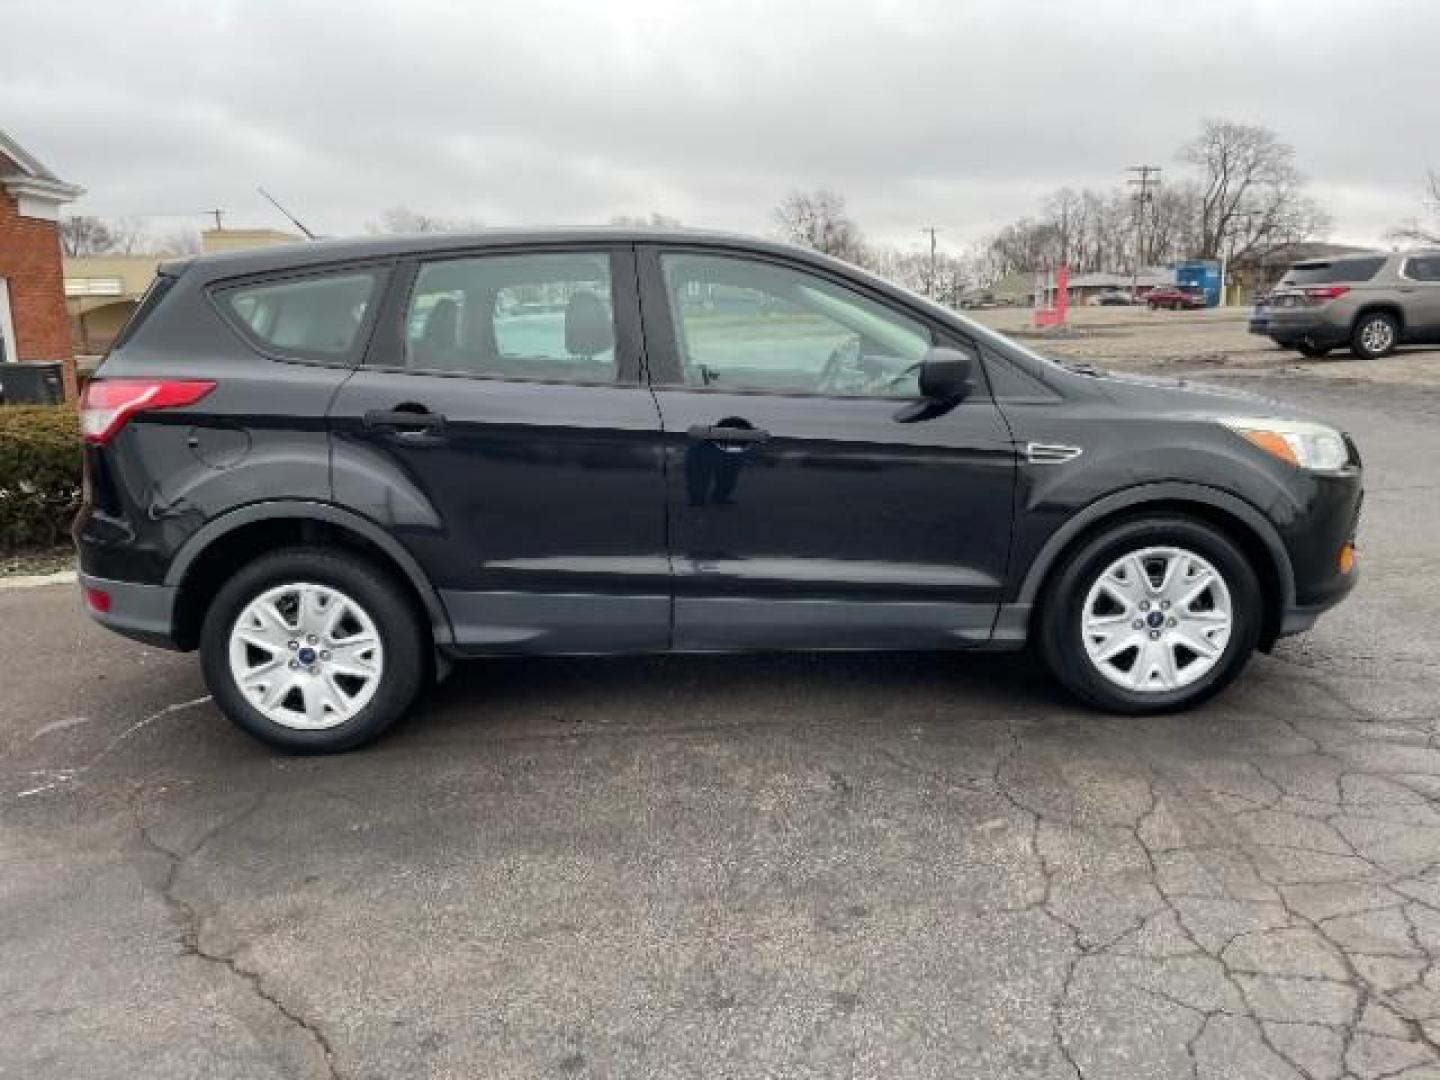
pixel 719 434
pixel 405 422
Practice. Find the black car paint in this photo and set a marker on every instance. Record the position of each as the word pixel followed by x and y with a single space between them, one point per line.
pixel 546 517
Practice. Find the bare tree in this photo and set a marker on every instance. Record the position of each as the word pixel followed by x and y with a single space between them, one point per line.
pixel 181 241
pixel 656 220
pixel 1421 232
pixel 81 234
pixel 818 219
pixel 401 219
pixel 127 235
pixel 913 270
pixel 1250 190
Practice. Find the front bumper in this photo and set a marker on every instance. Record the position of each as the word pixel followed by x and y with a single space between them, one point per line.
pixel 143 612
pixel 1317 540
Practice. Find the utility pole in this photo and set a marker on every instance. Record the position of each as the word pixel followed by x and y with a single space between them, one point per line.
pixel 219 216
pixel 932 230
pixel 1143 198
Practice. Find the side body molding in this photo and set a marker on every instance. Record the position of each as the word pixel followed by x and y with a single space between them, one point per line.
pixel 330 514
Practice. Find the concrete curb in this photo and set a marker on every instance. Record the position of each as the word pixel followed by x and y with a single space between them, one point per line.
pixel 34 581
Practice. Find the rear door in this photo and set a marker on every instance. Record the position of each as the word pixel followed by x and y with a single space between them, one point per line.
pixel 1420 289
pixel 500 429
pixel 804 510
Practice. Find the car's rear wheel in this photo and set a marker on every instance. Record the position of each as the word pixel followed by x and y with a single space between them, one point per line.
pixel 1375 335
pixel 312 650
pixel 1315 352
pixel 1152 615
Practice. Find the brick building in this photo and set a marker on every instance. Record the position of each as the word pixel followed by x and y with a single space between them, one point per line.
pixel 34 324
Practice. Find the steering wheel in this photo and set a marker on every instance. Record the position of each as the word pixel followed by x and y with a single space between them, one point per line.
pixel 846 355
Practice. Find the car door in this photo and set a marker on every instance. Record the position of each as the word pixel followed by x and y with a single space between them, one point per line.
pixel 500 429
pixel 808 508
pixel 1420 293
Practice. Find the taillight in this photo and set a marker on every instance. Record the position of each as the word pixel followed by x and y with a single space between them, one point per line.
pixel 109 403
pixel 1323 294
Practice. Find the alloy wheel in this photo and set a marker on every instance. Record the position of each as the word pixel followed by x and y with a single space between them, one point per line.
pixel 1157 619
pixel 306 656
pixel 1377 336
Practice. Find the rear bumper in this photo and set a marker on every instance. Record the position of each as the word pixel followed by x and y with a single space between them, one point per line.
pixel 1291 328
pixel 143 612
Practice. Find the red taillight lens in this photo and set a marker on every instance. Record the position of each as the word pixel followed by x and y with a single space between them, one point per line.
pixel 98 599
pixel 109 403
pixel 1322 294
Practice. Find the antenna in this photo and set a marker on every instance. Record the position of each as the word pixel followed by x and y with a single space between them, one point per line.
pixel 292 218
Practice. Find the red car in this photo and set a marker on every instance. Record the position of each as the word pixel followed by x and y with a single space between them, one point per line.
pixel 1175 297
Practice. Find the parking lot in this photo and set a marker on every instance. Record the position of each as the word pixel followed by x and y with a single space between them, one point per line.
pixel 897 866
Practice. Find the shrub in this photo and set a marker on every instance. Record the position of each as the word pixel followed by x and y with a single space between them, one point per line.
pixel 40 466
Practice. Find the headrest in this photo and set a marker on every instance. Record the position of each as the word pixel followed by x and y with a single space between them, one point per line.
pixel 589 330
pixel 442 325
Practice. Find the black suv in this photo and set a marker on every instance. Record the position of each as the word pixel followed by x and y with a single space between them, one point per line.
pixel 334 468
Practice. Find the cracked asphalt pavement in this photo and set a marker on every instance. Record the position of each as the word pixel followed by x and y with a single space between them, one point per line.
pixel 909 866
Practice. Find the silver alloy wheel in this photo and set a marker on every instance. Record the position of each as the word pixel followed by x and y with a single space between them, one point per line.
pixel 1377 336
pixel 1157 619
pixel 306 656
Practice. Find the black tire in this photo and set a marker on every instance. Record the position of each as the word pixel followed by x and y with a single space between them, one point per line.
pixel 1315 352
pixel 1376 333
pixel 1061 639
pixel 402 635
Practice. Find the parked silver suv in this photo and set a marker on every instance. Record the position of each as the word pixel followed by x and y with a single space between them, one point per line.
pixel 1370 302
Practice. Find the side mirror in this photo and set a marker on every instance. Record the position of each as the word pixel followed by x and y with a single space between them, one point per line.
pixel 945 375
pixel 946 378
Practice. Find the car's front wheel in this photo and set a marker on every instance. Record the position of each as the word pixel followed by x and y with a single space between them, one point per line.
pixel 312 650
pixel 1152 615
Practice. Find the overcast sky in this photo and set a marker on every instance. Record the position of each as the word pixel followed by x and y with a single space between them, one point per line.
pixel 956 113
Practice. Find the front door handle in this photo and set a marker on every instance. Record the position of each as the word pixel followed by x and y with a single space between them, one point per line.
pixel 403 420
pixel 725 434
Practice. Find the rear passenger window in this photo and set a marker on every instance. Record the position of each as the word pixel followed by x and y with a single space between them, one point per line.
pixel 1423 268
pixel 319 315
pixel 545 316
pixel 1330 273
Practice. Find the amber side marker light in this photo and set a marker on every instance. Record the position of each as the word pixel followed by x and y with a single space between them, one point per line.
pixel 1347 558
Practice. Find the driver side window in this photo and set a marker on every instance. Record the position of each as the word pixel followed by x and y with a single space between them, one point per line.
pixel 746 325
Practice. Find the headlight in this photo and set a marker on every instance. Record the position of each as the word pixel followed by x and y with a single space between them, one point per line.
pixel 1298 442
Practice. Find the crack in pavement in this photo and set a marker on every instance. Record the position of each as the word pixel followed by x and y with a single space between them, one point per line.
pixel 191 925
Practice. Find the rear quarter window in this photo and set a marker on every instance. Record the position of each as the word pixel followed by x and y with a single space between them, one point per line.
pixel 317 316
pixel 1337 272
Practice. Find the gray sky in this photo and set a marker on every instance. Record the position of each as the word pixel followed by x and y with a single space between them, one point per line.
pixel 958 113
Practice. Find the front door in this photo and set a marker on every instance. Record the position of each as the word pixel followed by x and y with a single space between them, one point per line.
pixel 500 429
pixel 806 507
